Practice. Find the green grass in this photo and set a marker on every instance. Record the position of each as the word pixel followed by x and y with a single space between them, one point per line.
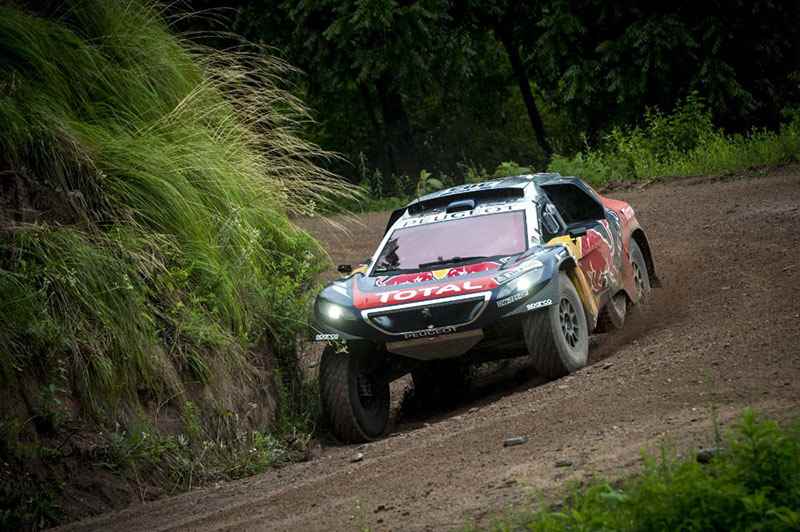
pixel 684 143
pixel 753 484
pixel 173 169
pixel 146 252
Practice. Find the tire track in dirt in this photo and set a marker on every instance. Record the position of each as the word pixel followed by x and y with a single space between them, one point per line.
pixel 723 333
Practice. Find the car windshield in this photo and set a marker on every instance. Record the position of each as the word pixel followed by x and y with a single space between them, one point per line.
pixel 453 241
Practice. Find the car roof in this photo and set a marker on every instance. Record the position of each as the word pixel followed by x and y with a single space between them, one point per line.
pixel 518 182
pixel 503 190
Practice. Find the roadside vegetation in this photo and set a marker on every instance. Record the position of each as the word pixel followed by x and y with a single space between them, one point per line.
pixel 750 482
pixel 682 143
pixel 152 286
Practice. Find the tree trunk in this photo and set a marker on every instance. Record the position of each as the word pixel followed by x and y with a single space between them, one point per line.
pixel 399 141
pixel 524 83
pixel 378 153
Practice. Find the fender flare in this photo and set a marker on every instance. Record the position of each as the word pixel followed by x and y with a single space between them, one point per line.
pixel 640 238
pixel 581 283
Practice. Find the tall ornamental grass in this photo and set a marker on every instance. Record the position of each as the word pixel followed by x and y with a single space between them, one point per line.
pixel 145 242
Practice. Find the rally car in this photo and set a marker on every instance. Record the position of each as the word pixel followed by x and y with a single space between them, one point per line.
pixel 528 265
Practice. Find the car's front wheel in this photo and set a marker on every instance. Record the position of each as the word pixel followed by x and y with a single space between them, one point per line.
pixel 557 336
pixel 354 394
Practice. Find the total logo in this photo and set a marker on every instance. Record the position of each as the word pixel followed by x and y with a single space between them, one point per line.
pixel 412 294
pixel 409 295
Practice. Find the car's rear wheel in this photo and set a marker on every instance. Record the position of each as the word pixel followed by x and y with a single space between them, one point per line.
pixel 354 395
pixel 641 277
pixel 557 336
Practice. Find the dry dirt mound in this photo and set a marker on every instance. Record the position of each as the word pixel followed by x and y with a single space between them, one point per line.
pixel 722 334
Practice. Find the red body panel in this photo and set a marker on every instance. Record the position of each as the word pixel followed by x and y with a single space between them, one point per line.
pixel 421 277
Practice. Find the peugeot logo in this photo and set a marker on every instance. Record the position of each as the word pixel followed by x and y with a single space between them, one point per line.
pixel 426 313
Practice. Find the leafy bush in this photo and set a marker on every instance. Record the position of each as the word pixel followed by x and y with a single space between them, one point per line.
pixel 510 168
pixel 753 484
pixel 427 183
pixel 679 144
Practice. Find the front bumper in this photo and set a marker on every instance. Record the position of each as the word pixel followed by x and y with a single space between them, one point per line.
pixel 439 328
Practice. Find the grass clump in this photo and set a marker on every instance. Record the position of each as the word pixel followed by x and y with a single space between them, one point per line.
pixel 148 240
pixel 683 143
pixel 753 484
pixel 146 252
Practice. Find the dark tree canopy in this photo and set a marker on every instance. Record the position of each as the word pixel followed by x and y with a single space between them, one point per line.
pixel 400 85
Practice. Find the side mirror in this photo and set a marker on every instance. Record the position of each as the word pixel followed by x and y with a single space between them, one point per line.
pixel 576 232
pixel 345 269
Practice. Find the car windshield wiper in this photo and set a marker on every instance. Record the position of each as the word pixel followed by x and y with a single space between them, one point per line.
pixel 451 260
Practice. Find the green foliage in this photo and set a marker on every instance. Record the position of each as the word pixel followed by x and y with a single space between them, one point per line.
pixel 427 183
pixel 219 449
pixel 682 143
pixel 510 168
pixel 754 484
pixel 167 254
pixel 430 84
pixel 605 62
pixel 27 502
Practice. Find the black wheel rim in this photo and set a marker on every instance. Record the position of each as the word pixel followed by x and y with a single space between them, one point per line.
pixel 569 322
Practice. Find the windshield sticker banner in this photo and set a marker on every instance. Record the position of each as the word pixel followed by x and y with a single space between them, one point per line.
pixel 436 275
pixel 409 295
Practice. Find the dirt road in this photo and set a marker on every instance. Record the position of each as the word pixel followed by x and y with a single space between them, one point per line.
pixel 723 332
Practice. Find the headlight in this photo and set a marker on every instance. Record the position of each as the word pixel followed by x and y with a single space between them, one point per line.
pixel 334 312
pixel 523 284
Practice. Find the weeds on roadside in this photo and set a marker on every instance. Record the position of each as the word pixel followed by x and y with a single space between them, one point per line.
pixel 683 143
pixel 753 484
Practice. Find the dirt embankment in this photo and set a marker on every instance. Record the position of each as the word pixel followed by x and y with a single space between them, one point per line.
pixel 722 334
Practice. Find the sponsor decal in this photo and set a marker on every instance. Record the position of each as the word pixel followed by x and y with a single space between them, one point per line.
pixel 398 296
pixel 326 337
pixel 430 332
pixel 539 304
pixel 512 299
pixel 409 295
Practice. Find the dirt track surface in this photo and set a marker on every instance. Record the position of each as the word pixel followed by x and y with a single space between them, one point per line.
pixel 723 332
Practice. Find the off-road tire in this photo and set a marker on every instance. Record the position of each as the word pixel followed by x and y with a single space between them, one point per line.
pixel 440 383
pixel 641 277
pixel 557 336
pixel 352 420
